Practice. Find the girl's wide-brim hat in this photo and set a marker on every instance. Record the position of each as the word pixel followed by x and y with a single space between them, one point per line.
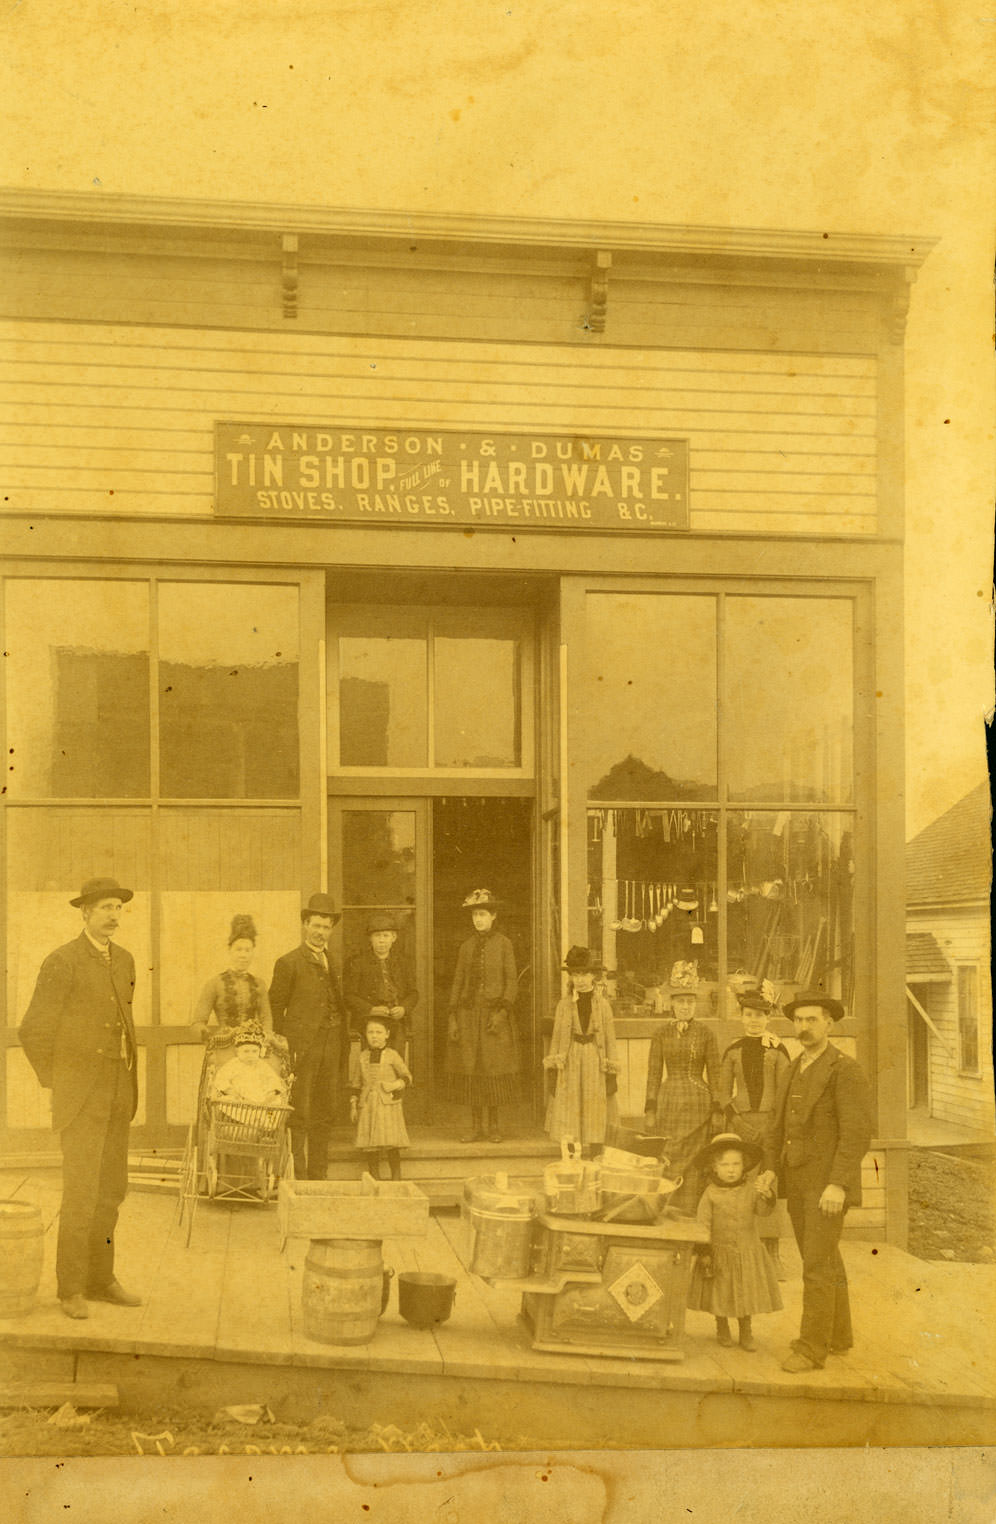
pixel 684 979
pixel 482 899
pixel 720 1143
pixel 581 960
pixel 102 889
pixel 321 904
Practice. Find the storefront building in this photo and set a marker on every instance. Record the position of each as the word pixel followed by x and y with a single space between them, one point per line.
pixel 405 556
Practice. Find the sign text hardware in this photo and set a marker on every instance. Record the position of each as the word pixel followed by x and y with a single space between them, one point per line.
pixel 446 477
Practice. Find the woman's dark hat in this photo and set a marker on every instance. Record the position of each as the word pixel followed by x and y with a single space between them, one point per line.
pixel 482 899
pixel 833 1008
pixel 102 889
pixel 381 920
pixel 720 1143
pixel 753 1000
pixel 581 960
pixel 321 904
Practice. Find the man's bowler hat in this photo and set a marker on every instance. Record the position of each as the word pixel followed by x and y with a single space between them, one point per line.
pixel 102 889
pixel 833 1008
pixel 321 904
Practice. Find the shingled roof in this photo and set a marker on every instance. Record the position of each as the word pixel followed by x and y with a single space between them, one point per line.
pixel 949 861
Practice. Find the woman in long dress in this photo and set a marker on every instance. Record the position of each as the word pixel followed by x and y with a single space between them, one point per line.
pixel 484 1064
pixel 682 1103
pixel 235 996
pixel 582 1060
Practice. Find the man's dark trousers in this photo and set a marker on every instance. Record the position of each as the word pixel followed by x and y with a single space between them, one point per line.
pixel 826 1307
pixel 94 1182
pixel 316 1087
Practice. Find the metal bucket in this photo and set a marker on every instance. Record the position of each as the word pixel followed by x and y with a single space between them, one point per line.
pixel 500 1228
pixel 425 1298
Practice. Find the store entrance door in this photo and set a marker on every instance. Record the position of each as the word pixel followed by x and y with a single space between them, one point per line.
pixel 419 858
pixel 482 843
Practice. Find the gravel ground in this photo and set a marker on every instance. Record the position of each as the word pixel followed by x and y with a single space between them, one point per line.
pixel 952 1203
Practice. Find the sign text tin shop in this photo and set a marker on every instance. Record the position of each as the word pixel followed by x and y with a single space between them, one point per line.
pixel 442 476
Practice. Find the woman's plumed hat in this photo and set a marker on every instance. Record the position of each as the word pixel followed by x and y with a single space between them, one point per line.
pixel 581 960
pixel 720 1143
pixel 684 979
pixel 242 926
pixel 482 899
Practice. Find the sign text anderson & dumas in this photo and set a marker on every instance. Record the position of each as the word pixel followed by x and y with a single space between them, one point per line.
pixel 443 476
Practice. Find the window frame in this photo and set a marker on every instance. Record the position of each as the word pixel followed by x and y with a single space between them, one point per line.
pixel 968 968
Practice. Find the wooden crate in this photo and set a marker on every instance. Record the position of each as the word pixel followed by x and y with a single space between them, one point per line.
pixel 351 1209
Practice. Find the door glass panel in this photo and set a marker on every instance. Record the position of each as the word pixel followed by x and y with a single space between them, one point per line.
pixel 383 701
pixel 77 689
pixel 650 696
pixel 789 699
pixel 228 691
pixel 378 872
pixel 477 702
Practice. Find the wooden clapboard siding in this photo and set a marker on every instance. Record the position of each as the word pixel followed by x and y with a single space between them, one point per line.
pixel 966 1100
pixel 120 419
pixel 220 849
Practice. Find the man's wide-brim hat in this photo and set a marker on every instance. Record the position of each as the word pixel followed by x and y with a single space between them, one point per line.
pixel 482 899
pixel 720 1143
pixel 684 979
pixel 581 960
pixel 833 1008
pixel 381 920
pixel 321 904
pixel 102 889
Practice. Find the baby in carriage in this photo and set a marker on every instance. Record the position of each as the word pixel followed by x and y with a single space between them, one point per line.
pixel 248 1078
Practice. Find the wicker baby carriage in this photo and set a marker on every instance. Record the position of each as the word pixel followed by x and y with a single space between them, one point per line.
pixel 236 1150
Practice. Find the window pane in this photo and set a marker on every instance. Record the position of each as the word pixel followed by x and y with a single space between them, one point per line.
pixel 789 713
pixel 228 691
pixel 968 1019
pixel 652 892
pixel 790 899
pixel 650 696
pixel 477 702
pixel 77 689
pixel 383 702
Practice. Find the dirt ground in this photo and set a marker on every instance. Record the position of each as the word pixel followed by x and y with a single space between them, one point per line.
pixel 952 1204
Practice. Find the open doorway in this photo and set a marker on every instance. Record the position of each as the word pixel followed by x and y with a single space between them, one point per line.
pixel 483 843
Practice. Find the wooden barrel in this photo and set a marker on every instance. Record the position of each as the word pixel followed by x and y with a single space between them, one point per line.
pixel 342 1289
pixel 21 1239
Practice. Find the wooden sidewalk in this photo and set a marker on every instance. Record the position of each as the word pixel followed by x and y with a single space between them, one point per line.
pixel 221 1323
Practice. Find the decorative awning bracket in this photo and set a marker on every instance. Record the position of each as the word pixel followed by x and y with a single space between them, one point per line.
pixel 601 265
pixel 289 274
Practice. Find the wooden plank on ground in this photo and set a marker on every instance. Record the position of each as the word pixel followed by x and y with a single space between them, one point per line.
pixel 52 1394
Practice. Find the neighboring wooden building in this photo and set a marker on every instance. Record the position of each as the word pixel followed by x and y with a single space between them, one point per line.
pixel 948 968
pixel 406 555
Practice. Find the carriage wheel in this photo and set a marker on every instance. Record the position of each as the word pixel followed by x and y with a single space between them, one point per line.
pixel 188 1184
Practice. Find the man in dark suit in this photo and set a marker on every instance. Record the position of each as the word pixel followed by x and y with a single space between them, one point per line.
pixel 79 1038
pixel 378 982
pixel 308 1010
pixel 820 1132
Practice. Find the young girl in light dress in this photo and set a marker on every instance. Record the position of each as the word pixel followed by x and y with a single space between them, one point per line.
pixel 736 1278
pixel 378 1078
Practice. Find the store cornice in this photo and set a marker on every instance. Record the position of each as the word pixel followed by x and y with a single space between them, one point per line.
pixel 456 229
